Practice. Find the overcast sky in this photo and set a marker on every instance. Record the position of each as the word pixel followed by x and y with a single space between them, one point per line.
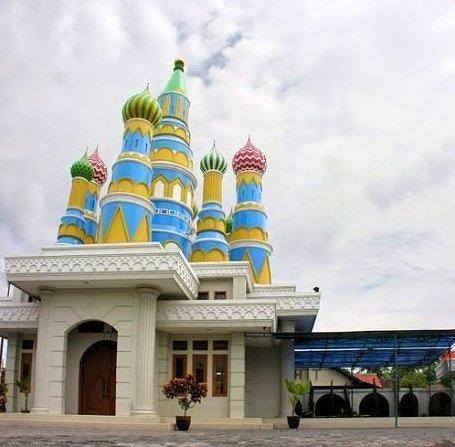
pixel 353 103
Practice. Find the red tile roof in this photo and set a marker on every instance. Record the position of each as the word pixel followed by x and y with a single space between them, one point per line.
pixel 370 379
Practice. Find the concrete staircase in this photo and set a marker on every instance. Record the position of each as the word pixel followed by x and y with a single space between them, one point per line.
pixel 138 423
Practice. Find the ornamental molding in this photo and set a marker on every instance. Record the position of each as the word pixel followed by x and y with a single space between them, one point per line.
pixel 246 243
pixel 274 291
pixel 19 313
pixel 172 165
pixel 102 262
pixel 232 311
pixel 116 197
pixel 298 304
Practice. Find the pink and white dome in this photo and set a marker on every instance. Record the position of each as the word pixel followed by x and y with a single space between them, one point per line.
pixel 249 158
pixel 99 168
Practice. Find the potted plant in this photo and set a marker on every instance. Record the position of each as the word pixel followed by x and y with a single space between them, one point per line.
pixel 296 391
pixel 23 388
pixel 188 393
pixel 3 392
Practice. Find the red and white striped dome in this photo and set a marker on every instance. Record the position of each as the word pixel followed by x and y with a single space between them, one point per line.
pixel 249 158
pixel 99 168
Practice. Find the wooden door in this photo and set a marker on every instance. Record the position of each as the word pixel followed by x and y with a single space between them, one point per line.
pixel 97 379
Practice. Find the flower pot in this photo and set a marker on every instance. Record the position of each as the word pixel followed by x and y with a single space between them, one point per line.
pixel 183 422
pixel 293 421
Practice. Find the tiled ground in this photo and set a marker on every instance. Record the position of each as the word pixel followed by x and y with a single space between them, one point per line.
pixel 22 436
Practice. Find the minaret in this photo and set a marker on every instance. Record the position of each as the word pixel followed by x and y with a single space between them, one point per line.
pixel 93 194
pixel 173 181
pixel 249 238
pixel 126 210
pixel 72 228
pixel 210 244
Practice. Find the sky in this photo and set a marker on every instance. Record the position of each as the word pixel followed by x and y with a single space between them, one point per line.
pixel 353 103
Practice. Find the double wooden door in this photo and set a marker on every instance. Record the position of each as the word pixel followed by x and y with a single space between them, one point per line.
pixel 97 379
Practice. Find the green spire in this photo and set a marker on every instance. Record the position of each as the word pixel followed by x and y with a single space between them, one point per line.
pixel 177 81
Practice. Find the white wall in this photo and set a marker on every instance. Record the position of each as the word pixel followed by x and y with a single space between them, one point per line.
pixel 263 381
pixel 67 310
pixel 213 407
pixel 216 285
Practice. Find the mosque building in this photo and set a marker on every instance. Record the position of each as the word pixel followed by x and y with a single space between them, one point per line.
pixel 144 285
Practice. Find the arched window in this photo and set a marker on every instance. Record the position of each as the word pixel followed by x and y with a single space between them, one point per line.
pixel 177 192
pixel 159 189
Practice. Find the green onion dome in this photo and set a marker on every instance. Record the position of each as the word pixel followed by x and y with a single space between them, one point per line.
pixel 213 161
pixel 143 105
pixel 82 168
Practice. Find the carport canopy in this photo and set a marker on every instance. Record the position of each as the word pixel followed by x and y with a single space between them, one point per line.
pixel 369 349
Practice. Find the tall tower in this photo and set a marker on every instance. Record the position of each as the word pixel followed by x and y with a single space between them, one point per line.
pixel 126 210
pixel 173 181
pixel 72 229
pixel 210 244
pixel 93 194
pixel 249 237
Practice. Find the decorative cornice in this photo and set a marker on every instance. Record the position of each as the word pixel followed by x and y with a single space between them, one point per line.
pixel 129 198
pixel 246 243
pixel 273 291
pixel 298 304
pixel 228 313
pixel 173 166
pixel 19 316
pixel 138 263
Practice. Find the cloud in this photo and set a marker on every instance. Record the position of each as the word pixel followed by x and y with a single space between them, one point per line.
pixel 352 102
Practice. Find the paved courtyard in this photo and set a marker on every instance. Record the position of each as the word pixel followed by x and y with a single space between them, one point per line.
pixel 18 435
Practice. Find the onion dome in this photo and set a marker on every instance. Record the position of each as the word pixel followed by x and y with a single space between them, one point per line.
pixel 143 105
pixel 99 168
pixel 82 168
pixel 213 161
pixel 249 158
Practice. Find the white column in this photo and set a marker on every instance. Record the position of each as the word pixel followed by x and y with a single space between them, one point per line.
pixel 145 400
pixel 237 376
pixel 12 363
pixel 287 366
pixel 41 382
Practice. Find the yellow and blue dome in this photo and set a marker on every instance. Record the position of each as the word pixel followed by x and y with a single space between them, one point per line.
pixel 213 161
pixel 144 106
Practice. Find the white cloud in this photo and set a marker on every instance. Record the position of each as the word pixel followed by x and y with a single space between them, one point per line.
pixel 352 102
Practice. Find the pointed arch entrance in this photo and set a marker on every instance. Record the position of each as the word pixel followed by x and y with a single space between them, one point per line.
pixel 97 379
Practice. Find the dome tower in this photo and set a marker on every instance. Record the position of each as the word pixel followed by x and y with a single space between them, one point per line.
pixel 173 182
pixel 100 173
pixel 72 230
pixel 249 238
pixel 126 210
pixel 210 244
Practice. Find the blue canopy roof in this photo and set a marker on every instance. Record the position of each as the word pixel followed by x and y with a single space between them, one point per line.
pixel 369 349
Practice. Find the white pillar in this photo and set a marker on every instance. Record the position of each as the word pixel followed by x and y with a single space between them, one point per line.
pixel 11 369
pixel 41 382
pixel 145 401
pixel 237 376
pixel 287 365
